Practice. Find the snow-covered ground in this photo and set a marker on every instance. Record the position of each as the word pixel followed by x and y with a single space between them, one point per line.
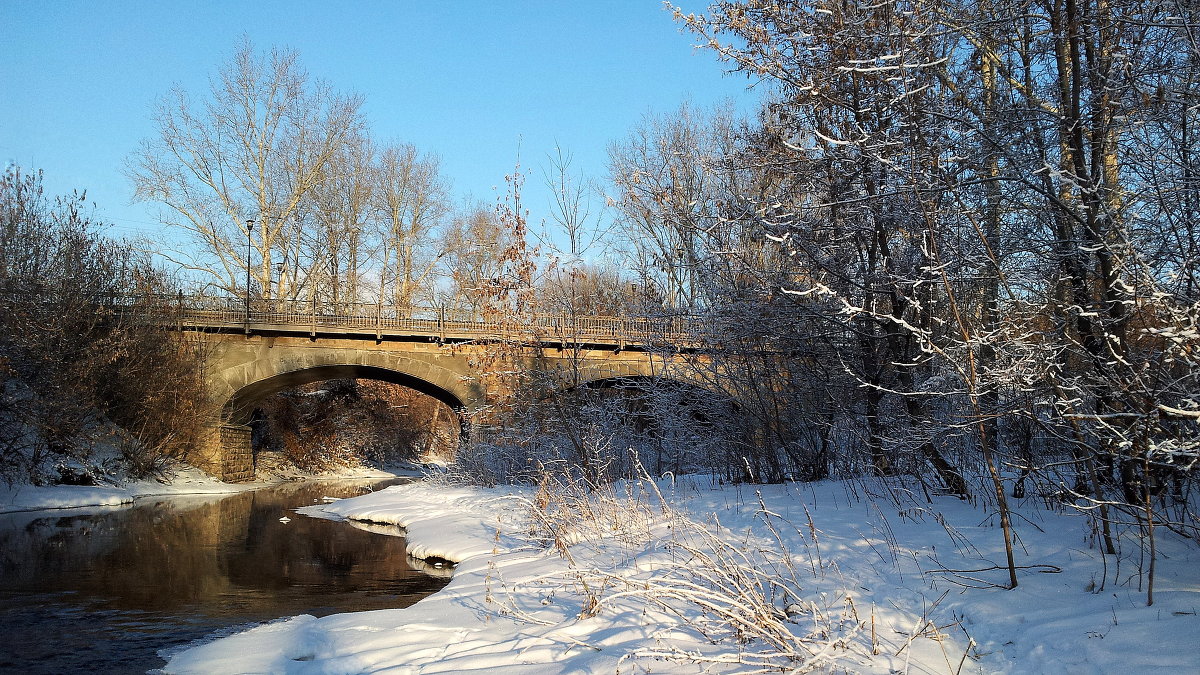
pixel 183 480
pixel 857 577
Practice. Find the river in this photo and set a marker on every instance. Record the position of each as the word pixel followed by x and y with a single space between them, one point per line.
pixel 110 590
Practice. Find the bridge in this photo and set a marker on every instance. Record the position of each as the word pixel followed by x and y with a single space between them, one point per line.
pixel 253 349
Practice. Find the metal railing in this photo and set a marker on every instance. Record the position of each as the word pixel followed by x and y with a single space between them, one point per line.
pixel 314 317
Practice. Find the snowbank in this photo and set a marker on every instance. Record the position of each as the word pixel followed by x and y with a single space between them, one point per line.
pixel 451 523
pixel 184 480
pixel 883 583
pixel 30 498
pixel 35 498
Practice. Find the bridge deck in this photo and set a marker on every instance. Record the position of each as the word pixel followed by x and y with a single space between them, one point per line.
pixel 432 324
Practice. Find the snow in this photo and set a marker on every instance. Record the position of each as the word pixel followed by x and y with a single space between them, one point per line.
pixel 542 590
pixel 24 497
pixel 183 480
pixel 30 498
pixel 451 523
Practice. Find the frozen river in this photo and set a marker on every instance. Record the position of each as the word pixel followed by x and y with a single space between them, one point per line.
pixel 107 590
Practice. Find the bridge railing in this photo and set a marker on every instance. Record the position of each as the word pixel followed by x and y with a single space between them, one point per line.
pixel 320 317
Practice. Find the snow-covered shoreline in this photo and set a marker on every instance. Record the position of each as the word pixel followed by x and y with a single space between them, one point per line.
pixel 883 579
pixel 184 481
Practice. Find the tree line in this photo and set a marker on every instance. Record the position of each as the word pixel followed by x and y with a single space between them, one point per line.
pixel 981 217
pixel 957 241
pixel 278 183
pixel 952 229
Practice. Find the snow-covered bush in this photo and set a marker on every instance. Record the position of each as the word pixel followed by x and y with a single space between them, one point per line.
pixel 81 337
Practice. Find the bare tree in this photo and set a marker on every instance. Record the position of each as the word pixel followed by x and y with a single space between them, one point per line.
pixel 668 196
pixel 998 217
pixel 253 147
pixel 411 202
pixel 471 265
pixel 341 210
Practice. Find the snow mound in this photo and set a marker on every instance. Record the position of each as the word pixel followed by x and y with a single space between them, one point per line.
pixel 451 523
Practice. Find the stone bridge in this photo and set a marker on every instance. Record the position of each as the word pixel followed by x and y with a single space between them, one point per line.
pixel 254 351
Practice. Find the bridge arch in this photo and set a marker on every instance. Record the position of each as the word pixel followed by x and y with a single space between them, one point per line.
pixel 607 375
pixel 242 375
pixel 240 406
pixel 242 372
pixel 704 399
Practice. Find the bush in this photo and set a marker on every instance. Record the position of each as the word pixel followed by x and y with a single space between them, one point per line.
pixel 82 345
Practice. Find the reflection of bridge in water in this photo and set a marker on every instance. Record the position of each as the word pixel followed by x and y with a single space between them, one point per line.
pixel 257 349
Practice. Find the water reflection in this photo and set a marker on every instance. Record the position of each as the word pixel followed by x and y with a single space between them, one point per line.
pixel 103 590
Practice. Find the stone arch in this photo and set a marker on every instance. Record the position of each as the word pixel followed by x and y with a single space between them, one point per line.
pixel 687 388
pixel 602 375
pixel 242 372
pixel 240 405
pixel 243 369
pixel 249 376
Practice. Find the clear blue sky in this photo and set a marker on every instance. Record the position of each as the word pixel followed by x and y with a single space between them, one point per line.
pixel 467 80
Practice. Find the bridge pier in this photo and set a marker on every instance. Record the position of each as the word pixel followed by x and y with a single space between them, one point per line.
pixel 226 453
pixel 237 462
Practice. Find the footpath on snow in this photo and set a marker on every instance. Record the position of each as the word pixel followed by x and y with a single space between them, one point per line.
pixel 686 577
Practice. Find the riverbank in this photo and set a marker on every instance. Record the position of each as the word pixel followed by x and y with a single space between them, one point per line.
pixel 180 480
pixel 686 577
pixel 114 587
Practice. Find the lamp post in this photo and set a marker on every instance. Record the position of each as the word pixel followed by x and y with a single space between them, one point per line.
pixel 249 229
pixel 278 293
pixel 679 292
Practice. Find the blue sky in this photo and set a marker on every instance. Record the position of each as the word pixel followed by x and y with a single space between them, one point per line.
pixel 470 81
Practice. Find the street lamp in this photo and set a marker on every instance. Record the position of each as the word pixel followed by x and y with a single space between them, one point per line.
pixel 249 229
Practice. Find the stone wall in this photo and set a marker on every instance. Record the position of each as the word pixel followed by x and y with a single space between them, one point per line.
pixel 237 464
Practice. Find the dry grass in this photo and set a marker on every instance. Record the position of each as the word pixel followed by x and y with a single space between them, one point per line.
pixel 722 589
